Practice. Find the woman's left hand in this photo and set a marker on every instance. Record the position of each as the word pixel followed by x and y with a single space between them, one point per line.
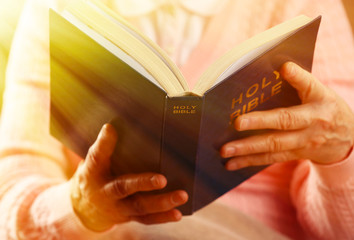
pixel 320 129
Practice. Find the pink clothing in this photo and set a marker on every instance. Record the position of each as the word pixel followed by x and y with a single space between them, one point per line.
pixel 300 199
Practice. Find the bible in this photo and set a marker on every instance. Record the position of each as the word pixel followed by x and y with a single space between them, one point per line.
pixel 104 70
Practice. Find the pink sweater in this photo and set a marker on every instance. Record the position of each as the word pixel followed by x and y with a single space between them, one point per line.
pixel 299 199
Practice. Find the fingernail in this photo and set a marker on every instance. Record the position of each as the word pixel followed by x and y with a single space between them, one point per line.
pixel 179 198
pixel 244 124
pixel 102 132
pixel 177 215
pixel 291 69
pixel 229 152
pixel 158 182
pixel 155 181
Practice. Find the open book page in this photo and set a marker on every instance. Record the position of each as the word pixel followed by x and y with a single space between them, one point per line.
pixel 242 54
pixel 142 54
pixel 110 47
pixel 147 41
pixel 140 51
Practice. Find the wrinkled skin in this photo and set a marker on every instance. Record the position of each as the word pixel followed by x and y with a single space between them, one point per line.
pixel 320 129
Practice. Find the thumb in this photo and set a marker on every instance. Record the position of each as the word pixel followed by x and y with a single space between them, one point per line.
pixel 98 157
pixel 307 86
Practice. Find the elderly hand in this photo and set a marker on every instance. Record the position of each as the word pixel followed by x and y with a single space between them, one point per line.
pixel 320 129
pixel 101 200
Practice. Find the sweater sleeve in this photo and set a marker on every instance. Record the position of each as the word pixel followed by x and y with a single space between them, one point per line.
pixel 35 201
pixel 324 194
pixel 324 198
pixel 34 169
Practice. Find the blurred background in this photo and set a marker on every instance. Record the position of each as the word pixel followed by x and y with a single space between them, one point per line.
pixel 10 11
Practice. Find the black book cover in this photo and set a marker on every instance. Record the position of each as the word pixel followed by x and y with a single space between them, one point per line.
pixel 179 137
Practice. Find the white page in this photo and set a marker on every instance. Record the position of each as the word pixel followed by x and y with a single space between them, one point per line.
pixel 116 51
pixel 245 59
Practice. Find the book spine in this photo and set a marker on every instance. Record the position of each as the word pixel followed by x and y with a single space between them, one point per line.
pixel 179 145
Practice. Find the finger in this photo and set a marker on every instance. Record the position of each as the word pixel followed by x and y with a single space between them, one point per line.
pixel 260 159
pixel 140 204
pixel 271 142
pixel 308 87
pixel 296 117
pixel 129 184
pixel 156 218
pixel 98 157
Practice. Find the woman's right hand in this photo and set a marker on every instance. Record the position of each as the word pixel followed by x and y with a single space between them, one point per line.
pixel 101 200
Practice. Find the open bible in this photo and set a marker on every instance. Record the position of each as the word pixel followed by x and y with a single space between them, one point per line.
pixel 104 70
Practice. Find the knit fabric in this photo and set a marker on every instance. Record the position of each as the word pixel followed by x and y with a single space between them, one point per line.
pixel 298 199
